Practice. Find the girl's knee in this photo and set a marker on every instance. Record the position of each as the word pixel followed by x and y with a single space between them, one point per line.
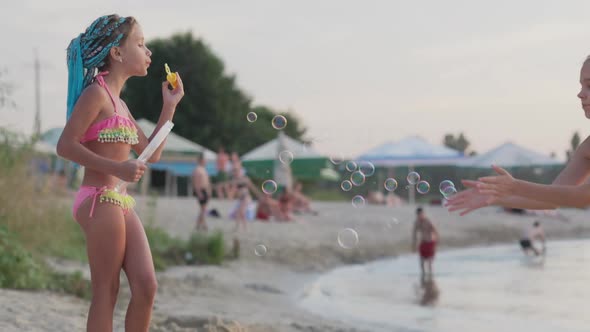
pixel 145 289
pixel 108 289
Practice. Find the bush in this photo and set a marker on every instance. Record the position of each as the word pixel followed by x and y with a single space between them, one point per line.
pixel 206 249
pixel 36 222
pixel 199 249
pixel 73 283
pixel 18 268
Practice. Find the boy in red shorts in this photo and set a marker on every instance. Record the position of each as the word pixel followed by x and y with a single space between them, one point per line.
pixel 428 234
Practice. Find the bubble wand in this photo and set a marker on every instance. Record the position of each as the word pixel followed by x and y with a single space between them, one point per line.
pixel 170 77
pixel 151 147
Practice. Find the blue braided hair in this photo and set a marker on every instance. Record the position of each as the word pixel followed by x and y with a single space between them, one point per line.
pixel 89 52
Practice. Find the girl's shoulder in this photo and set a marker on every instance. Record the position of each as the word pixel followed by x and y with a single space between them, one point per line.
pixel 94 93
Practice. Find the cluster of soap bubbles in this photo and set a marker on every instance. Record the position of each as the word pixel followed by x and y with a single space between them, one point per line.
pixel 278 121
pixel 422 186
pixel 359 172
pixel 447 188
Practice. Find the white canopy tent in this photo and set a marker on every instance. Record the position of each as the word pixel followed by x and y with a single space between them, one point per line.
pixel 510 155
pixel 411 151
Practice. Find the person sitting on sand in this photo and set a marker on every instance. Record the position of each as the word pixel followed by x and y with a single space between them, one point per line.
pixel 424 228
pixel 301 204
pixel 375 197
pixel 267 206
pixel 286 199
pixel 529 236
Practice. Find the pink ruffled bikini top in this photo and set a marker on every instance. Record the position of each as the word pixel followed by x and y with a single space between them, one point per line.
pixel 115 128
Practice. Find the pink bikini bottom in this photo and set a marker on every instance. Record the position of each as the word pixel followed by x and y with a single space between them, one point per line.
pixel 103 194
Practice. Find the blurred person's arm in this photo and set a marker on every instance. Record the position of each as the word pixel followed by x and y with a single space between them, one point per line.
pixel 210 190
pixel 414 235
pixel 435 232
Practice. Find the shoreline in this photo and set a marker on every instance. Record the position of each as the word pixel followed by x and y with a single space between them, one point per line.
pixel 261 293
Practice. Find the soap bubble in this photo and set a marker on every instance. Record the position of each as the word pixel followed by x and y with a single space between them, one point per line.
pixel 269 187
pixel 286 157
pixel 348 238
pixel 358 201
pixel 260 250
pixel 279 122
pixel 413 177
pixel 357 178
pixel 346 185
pixel 251 117
pixel 367 168
pixel 390 184
pixel 351 166
pixel 423 187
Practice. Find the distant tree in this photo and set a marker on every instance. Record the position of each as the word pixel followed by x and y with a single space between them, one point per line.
pixel 574 143
pixel 449 141
pixel 459 143
pixel 213 110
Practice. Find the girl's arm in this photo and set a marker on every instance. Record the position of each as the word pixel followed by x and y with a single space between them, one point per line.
pixel 85 112
pixel 577 196
pixel 171 98
pixel 568 189
pixel 472 199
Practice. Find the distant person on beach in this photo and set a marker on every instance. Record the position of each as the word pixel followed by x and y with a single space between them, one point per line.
pixel 99 134
pixel 301 203
pixel 529 236
pixel 222 177
pixel 569 189
pixel 267 206
pixel 424 230
pixel 202 190
pixel 243 197
pixel 286 199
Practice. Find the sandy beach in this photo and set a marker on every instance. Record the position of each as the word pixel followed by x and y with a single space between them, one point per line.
pixel 261 293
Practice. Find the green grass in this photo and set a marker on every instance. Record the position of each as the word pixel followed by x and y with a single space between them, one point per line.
pixel 199 249
pixel 36 222
pixel 329 195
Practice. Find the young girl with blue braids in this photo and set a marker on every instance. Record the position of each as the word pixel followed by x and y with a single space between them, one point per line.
pixel 99 135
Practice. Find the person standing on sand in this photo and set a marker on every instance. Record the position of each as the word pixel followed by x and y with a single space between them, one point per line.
pixel 202 190
pixel 222 177
pixel 428 234
pixel 99 134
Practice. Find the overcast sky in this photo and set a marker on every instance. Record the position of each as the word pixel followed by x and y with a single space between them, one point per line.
pixel 358 73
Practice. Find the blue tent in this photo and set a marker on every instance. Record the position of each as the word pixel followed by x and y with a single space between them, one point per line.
pixel 411 151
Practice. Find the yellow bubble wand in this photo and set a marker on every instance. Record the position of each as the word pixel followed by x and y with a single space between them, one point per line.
pixel 171 77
